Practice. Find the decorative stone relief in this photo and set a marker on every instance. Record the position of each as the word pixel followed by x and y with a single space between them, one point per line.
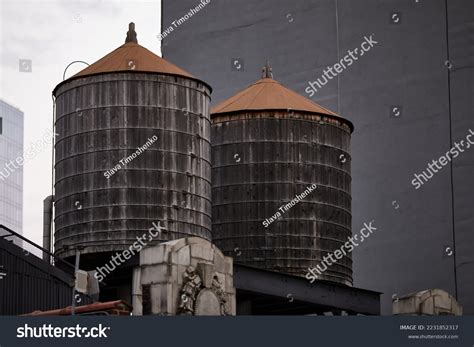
pixel 188 276
pixel 191 286
pixel 200 300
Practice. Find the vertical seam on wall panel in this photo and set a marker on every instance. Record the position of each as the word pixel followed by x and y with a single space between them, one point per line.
pixel 450 146
pixel 337 49
pixel 53 158
pixel 161 30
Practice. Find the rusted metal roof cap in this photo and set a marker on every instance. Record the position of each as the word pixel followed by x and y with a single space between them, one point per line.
pixel 131 57
pixel 267 94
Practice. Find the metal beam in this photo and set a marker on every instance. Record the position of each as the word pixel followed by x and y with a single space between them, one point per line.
pixel 321 293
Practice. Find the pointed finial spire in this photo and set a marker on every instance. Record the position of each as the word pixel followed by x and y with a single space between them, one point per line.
pixel 131 34
pixel 267 71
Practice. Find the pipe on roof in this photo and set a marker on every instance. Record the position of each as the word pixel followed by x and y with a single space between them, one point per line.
pixel 137 294
pixel 47 214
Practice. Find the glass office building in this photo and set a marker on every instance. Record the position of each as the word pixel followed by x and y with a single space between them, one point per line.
pixel 11 172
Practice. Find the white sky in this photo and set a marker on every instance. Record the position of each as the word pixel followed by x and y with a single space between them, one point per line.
pixel 52 34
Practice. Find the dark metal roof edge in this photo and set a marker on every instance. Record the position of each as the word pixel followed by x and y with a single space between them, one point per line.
pixel 73 78
pixel 320 292
pixel 339 118
pixel 293 277
pixel 36 262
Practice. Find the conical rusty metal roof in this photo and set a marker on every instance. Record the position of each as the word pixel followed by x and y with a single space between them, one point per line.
pixel 131 57
pixel 267 94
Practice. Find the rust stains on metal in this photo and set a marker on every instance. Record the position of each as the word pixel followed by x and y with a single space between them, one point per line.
pixel 115 308
pixel 131 57
pixel 268 94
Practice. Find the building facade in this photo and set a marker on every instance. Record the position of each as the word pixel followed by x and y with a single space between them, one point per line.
pixel 11 173
pixel 409 95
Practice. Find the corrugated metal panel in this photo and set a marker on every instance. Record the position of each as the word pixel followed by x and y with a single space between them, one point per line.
pixel 104 118
pixel 30 283
pixel 261 161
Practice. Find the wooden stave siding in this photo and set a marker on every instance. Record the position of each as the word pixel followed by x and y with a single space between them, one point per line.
pixel 169 182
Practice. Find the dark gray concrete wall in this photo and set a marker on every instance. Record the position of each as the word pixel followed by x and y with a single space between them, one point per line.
pixel 406 69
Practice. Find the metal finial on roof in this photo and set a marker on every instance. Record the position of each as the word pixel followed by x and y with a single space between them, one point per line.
pixel 131 34
pixel 267 71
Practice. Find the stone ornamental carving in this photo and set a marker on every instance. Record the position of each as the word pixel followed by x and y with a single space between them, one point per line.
pixel 197 299
pixel 218 288
pixel 191 287
pixel 188 276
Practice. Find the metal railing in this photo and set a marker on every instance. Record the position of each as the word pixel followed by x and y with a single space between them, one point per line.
pixel 56 260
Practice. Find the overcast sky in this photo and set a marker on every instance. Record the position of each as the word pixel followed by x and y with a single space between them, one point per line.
pixel 52 34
